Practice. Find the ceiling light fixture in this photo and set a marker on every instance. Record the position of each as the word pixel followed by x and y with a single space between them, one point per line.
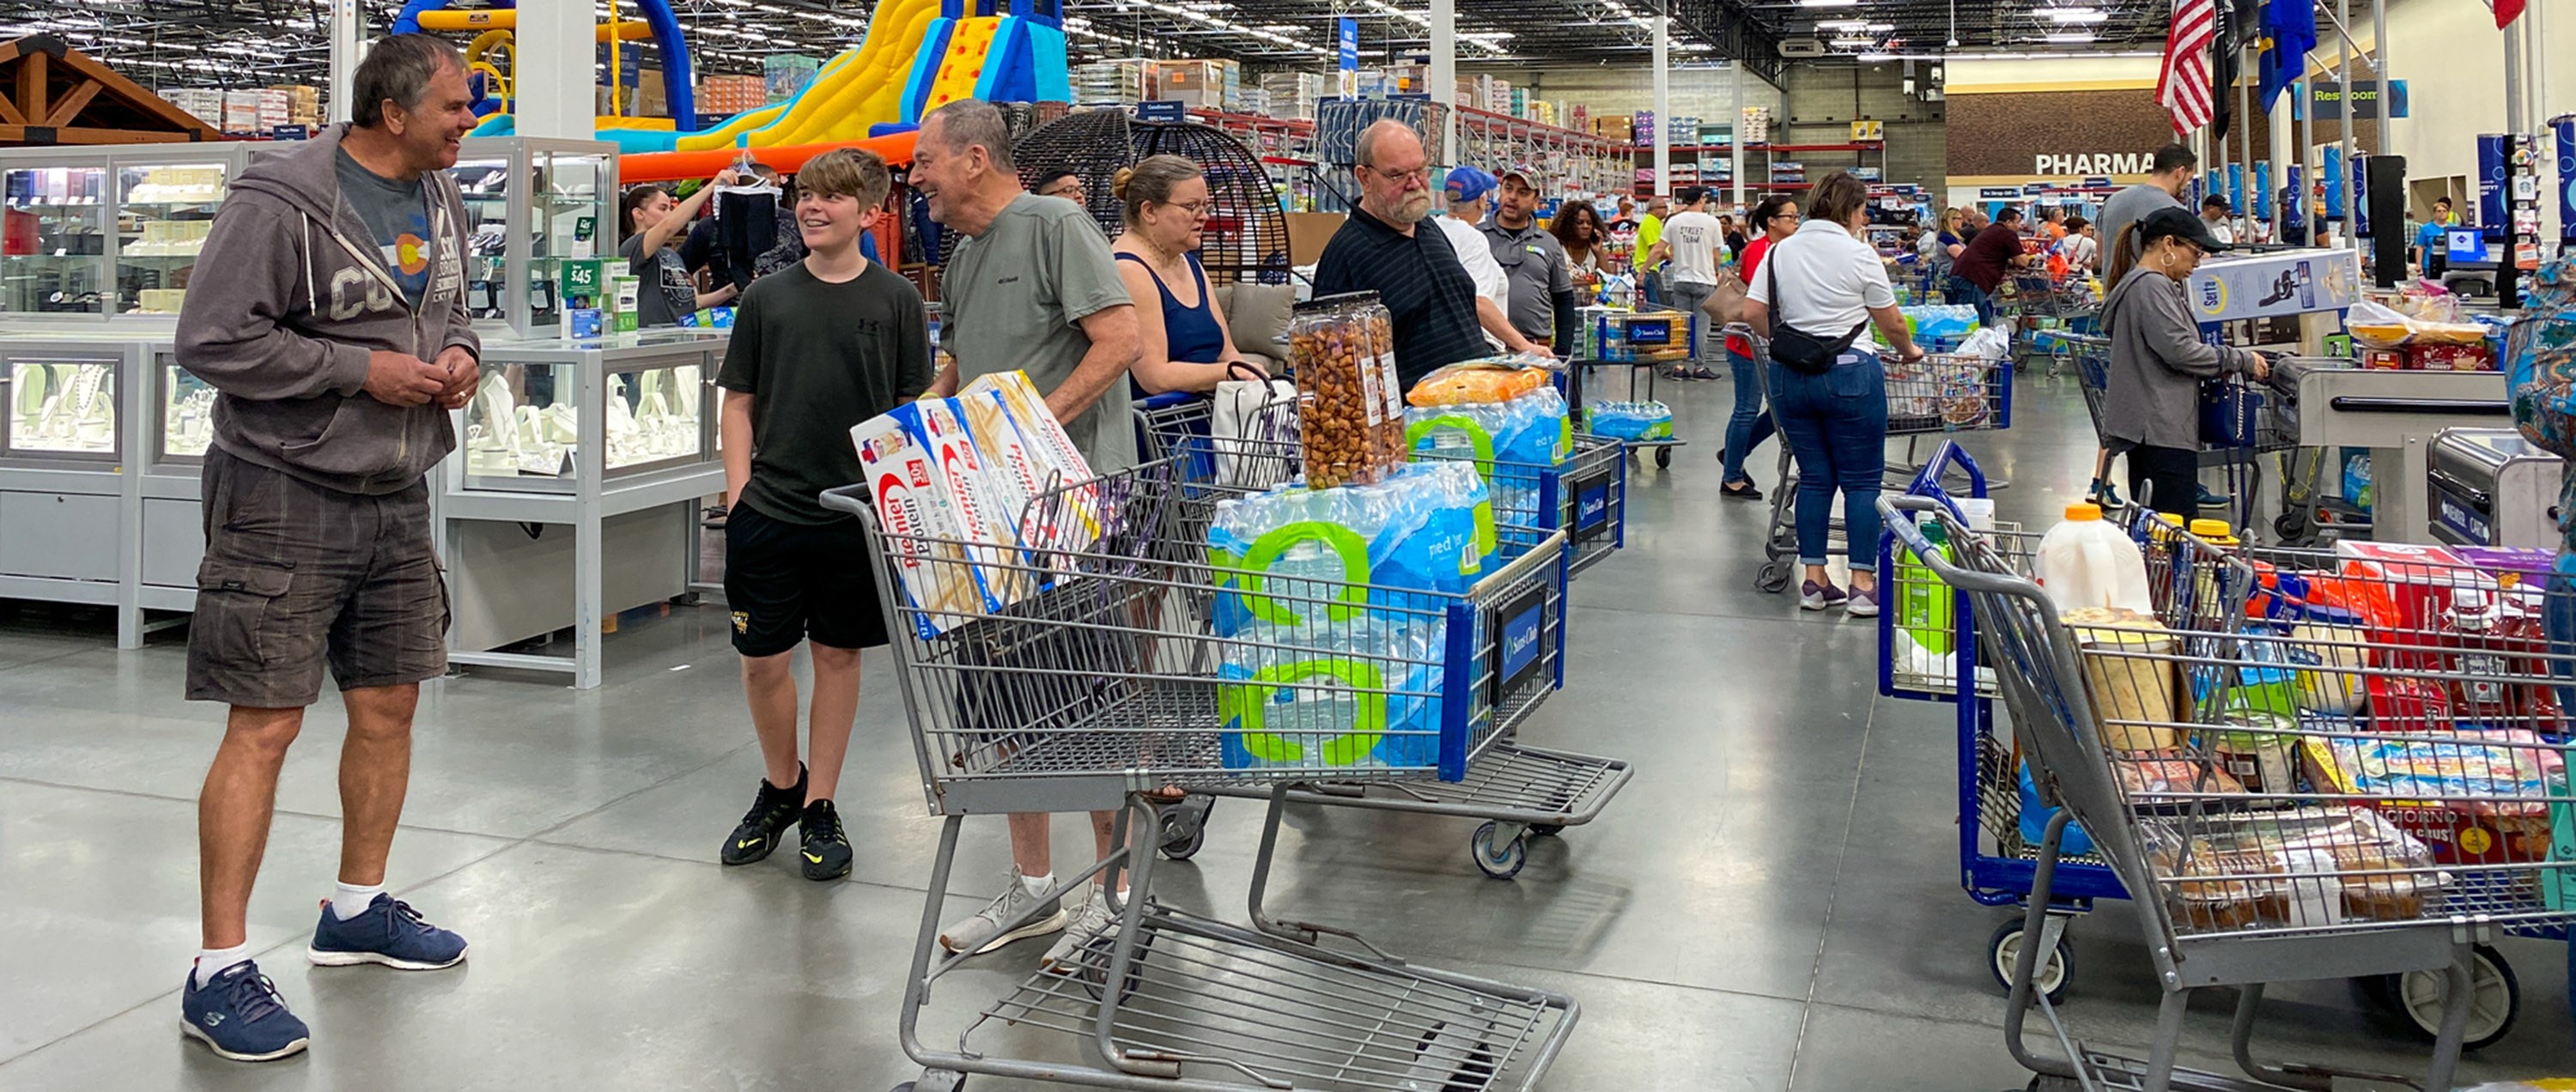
pixel 2075 15
pixel 2070 37
pixel 1828 3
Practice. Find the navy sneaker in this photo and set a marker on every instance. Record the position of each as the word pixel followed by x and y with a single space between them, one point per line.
pixel 388 931
pixel 240 1015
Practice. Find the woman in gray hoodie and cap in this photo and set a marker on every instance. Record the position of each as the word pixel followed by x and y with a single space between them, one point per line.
pixel 2151 410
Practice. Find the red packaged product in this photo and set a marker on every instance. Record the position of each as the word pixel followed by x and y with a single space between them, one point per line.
pixel 2415 582
pixel 2405 705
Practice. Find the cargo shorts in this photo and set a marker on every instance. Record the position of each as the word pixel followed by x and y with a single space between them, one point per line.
pixel 297 577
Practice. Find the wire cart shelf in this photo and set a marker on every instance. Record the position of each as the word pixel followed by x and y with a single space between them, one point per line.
pixel 1519 791
pixel 2319 766
pixel 1942 393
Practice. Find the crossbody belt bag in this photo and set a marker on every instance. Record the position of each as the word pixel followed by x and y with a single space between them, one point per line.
pixel 1804 353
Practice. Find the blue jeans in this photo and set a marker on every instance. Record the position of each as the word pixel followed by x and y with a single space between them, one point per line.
pixel 1836 427
pixel 1652 283
pixel 1749 426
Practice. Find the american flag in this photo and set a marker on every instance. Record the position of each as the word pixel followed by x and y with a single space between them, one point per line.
pixel 2183 83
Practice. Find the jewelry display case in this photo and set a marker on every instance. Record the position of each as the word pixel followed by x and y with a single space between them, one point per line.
pixel 53 242
pixel 532 204
pixel 651 393
pixel 61 406
pixel 575 491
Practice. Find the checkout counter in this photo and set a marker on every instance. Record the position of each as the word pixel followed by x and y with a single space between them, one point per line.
pixel 2491 487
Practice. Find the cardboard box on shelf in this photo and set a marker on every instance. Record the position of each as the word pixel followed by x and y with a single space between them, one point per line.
pixel 1197 83
pixel 241 111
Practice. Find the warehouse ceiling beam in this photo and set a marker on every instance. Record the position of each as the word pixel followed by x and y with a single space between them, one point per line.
pixel 51 93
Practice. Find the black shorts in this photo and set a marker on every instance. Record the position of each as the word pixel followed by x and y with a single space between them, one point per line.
pixel 791 581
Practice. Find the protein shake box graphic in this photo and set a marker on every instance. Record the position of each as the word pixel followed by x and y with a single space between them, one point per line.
pixel 1056 458
pixel 977 493
pixel 923 531
pixel 1052 528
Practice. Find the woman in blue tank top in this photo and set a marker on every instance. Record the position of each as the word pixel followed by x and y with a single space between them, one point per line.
pixel 1183 345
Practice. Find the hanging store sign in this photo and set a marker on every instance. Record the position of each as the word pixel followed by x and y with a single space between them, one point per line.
pixel 2327 98
pixel 1349 35
pixel 1998 193
pixel 2094 163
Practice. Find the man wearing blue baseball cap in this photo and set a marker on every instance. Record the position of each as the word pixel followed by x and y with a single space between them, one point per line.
pixel 1542 303
pixel 1468 190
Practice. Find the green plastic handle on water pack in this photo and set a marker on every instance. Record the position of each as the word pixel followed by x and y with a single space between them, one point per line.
pixel 1483 442
pixel 1241 703
pixel 1345 544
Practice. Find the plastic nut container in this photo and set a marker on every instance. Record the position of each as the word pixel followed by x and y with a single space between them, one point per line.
pixel 1350 412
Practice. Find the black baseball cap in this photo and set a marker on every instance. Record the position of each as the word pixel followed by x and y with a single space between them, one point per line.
pixel 2180 224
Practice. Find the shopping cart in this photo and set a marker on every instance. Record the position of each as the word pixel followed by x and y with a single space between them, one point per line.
pixel 1518 790
pixel 1107 677
pixel 2280 845
pixel 1935 396
pixel 1928 652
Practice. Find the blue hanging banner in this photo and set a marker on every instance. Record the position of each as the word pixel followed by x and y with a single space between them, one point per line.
pixel 2360 195
pixel 2565 128
pixel 2261 188
pixel 2236 188
pixel 2491 168
pixel 2332 171
pixel 1347 33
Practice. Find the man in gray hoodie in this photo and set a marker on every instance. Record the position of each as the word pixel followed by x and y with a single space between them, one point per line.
pixel 336 338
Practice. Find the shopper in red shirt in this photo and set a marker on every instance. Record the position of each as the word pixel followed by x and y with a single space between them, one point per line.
pixel 1992 256
pixel 1777 218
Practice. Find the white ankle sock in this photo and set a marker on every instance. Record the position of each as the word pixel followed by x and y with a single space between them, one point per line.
pixel 1037 886
pixel 349 901
pixel 213 961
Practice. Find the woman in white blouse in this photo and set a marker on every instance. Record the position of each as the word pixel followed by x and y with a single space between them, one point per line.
pixel 1827 282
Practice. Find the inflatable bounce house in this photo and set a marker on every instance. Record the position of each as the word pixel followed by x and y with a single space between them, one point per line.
pixel 915 56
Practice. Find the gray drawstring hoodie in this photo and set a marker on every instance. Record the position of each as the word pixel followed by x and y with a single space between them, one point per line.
pixel 290 296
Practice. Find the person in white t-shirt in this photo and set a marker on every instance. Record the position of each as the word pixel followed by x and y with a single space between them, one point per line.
pixel 2215 213
pixel 1467 190
pixel 1691 238
pixel 1831 286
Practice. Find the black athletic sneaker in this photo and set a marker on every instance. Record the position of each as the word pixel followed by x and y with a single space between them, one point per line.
pixel 772 812
pixel 827 850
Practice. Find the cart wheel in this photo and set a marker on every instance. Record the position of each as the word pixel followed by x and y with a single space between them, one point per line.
pixel 2045 1083
pixel 1663 457
pixel 934 1080
pixel 2052 974
pixel 1093 965
pixel 1546 830
pixel 1501 862
pixel 1773 577
pixel 1185 827
pixel 2417 995
pixel 1475 1071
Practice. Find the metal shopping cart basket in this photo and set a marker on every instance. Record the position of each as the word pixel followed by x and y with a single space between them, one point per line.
pixel 1519 790
pixel 1092 670
pixel 1928 652
pixel 2277 759
pixel 1935 396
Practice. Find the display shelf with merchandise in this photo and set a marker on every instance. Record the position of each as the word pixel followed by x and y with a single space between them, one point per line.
pixel 1576 163
pixel 61 408
pixel 532 204
pixel 163 215
pixel 1764 171
pixel 66 424
pixel 53 239
pixel 575 490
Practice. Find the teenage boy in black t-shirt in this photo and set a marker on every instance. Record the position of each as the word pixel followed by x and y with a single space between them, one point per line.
pixel 817 348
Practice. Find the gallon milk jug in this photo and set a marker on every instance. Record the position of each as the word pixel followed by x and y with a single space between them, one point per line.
pixel 2085 562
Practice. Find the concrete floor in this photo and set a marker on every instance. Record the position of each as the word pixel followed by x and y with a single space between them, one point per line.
pixel 1770 905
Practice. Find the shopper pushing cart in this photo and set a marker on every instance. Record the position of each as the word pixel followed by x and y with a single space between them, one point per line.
pixel 1818 293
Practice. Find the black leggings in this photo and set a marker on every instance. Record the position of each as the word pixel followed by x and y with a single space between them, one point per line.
pixel 2175 474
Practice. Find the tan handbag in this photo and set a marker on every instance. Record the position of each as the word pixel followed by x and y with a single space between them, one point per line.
pixel 1726 302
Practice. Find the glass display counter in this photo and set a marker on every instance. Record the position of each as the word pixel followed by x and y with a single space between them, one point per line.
pixel 523 427
pixel 97 234
pixel 61 406
pixel 532 204
pixel 187 413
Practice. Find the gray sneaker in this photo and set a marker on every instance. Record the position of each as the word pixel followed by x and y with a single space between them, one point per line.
pixel 1090 924
pixel 983 932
